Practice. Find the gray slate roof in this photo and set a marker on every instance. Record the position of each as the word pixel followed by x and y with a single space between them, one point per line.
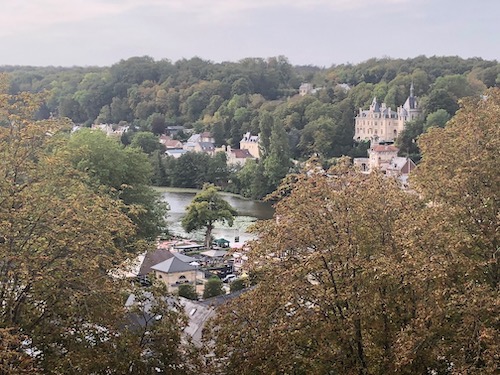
pixel 175 264
pixel 152 258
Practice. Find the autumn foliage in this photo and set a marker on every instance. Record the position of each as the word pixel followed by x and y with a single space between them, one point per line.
pixel 357 276
pixel 61 311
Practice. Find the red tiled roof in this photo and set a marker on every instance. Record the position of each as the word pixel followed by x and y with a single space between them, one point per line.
pixel 172 143
pixel 241 154
pixel 385 148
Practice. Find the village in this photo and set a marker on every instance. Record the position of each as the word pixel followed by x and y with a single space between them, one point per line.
pixel 204 277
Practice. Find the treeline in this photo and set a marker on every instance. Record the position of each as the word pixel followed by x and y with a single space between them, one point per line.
pixel 256 95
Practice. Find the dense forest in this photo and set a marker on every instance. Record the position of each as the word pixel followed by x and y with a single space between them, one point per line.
pixel 253 95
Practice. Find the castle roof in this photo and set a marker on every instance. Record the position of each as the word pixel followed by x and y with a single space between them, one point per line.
pixel 248 137
pixel 375 107
pixel 411 102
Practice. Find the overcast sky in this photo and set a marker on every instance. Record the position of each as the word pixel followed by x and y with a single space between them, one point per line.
pixel 316 32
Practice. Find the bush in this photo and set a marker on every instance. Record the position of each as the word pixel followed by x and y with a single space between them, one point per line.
pixel 187 291
pixel 213 288
pixel 237 284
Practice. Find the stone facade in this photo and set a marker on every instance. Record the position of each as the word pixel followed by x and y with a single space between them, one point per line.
pixel 381 122
pixel 251 143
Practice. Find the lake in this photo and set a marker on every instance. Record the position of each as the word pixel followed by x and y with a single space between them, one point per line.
pixel 249 212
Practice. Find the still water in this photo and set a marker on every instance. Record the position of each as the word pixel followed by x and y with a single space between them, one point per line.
pixel 248 213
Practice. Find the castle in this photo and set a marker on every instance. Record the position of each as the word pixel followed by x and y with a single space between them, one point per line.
pixel 380 122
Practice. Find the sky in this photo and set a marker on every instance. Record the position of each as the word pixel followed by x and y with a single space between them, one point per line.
pixel 307 32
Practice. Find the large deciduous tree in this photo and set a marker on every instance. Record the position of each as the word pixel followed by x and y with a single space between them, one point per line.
pixel 207 208
pixel 124 172
pixel 332 296
pixel 60 309
pixel 458 179
pixel 356 276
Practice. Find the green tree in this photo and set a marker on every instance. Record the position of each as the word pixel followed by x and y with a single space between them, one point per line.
pixel 237 285
pixel 157 123
pixel 265 125
pixel 60 308
pixel 407 139
pixel 218 134
pixel 440 99
pixel 124 172
pixel 218 172
pixel 190 170
pixel 160 176
pixel 207 208
pixel 436 119
pixel 213 288
pixel 147 142
pixel 277 163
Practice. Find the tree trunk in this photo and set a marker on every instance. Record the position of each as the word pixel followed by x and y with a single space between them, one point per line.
pixel 208 235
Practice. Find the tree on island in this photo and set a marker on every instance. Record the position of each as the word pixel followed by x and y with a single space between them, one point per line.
pixel 207 208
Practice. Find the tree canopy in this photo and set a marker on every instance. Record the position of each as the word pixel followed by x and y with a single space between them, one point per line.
pixel 125 174
pixel 357 276
pixel 60 309
pixel 230 99
pixel 207 208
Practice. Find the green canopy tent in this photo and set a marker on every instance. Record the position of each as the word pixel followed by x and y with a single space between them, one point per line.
pixel 221 242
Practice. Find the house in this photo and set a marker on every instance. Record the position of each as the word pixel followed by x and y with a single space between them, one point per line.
pixel 175 153
pixel 384 157
pixel 401 168
pixel 205 147
pixel 152 258
pixel 175 271
pixel 200 143
pixel 381 122
pixel 305 88
pixel 169 143
pixel 173 130
pixel 251 143
pixel 207 137
pixel 111 129
pixel 237 157
pixel 195 138
pixel 381 155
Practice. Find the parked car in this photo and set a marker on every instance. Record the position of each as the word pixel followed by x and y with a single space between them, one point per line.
pixel 229 278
